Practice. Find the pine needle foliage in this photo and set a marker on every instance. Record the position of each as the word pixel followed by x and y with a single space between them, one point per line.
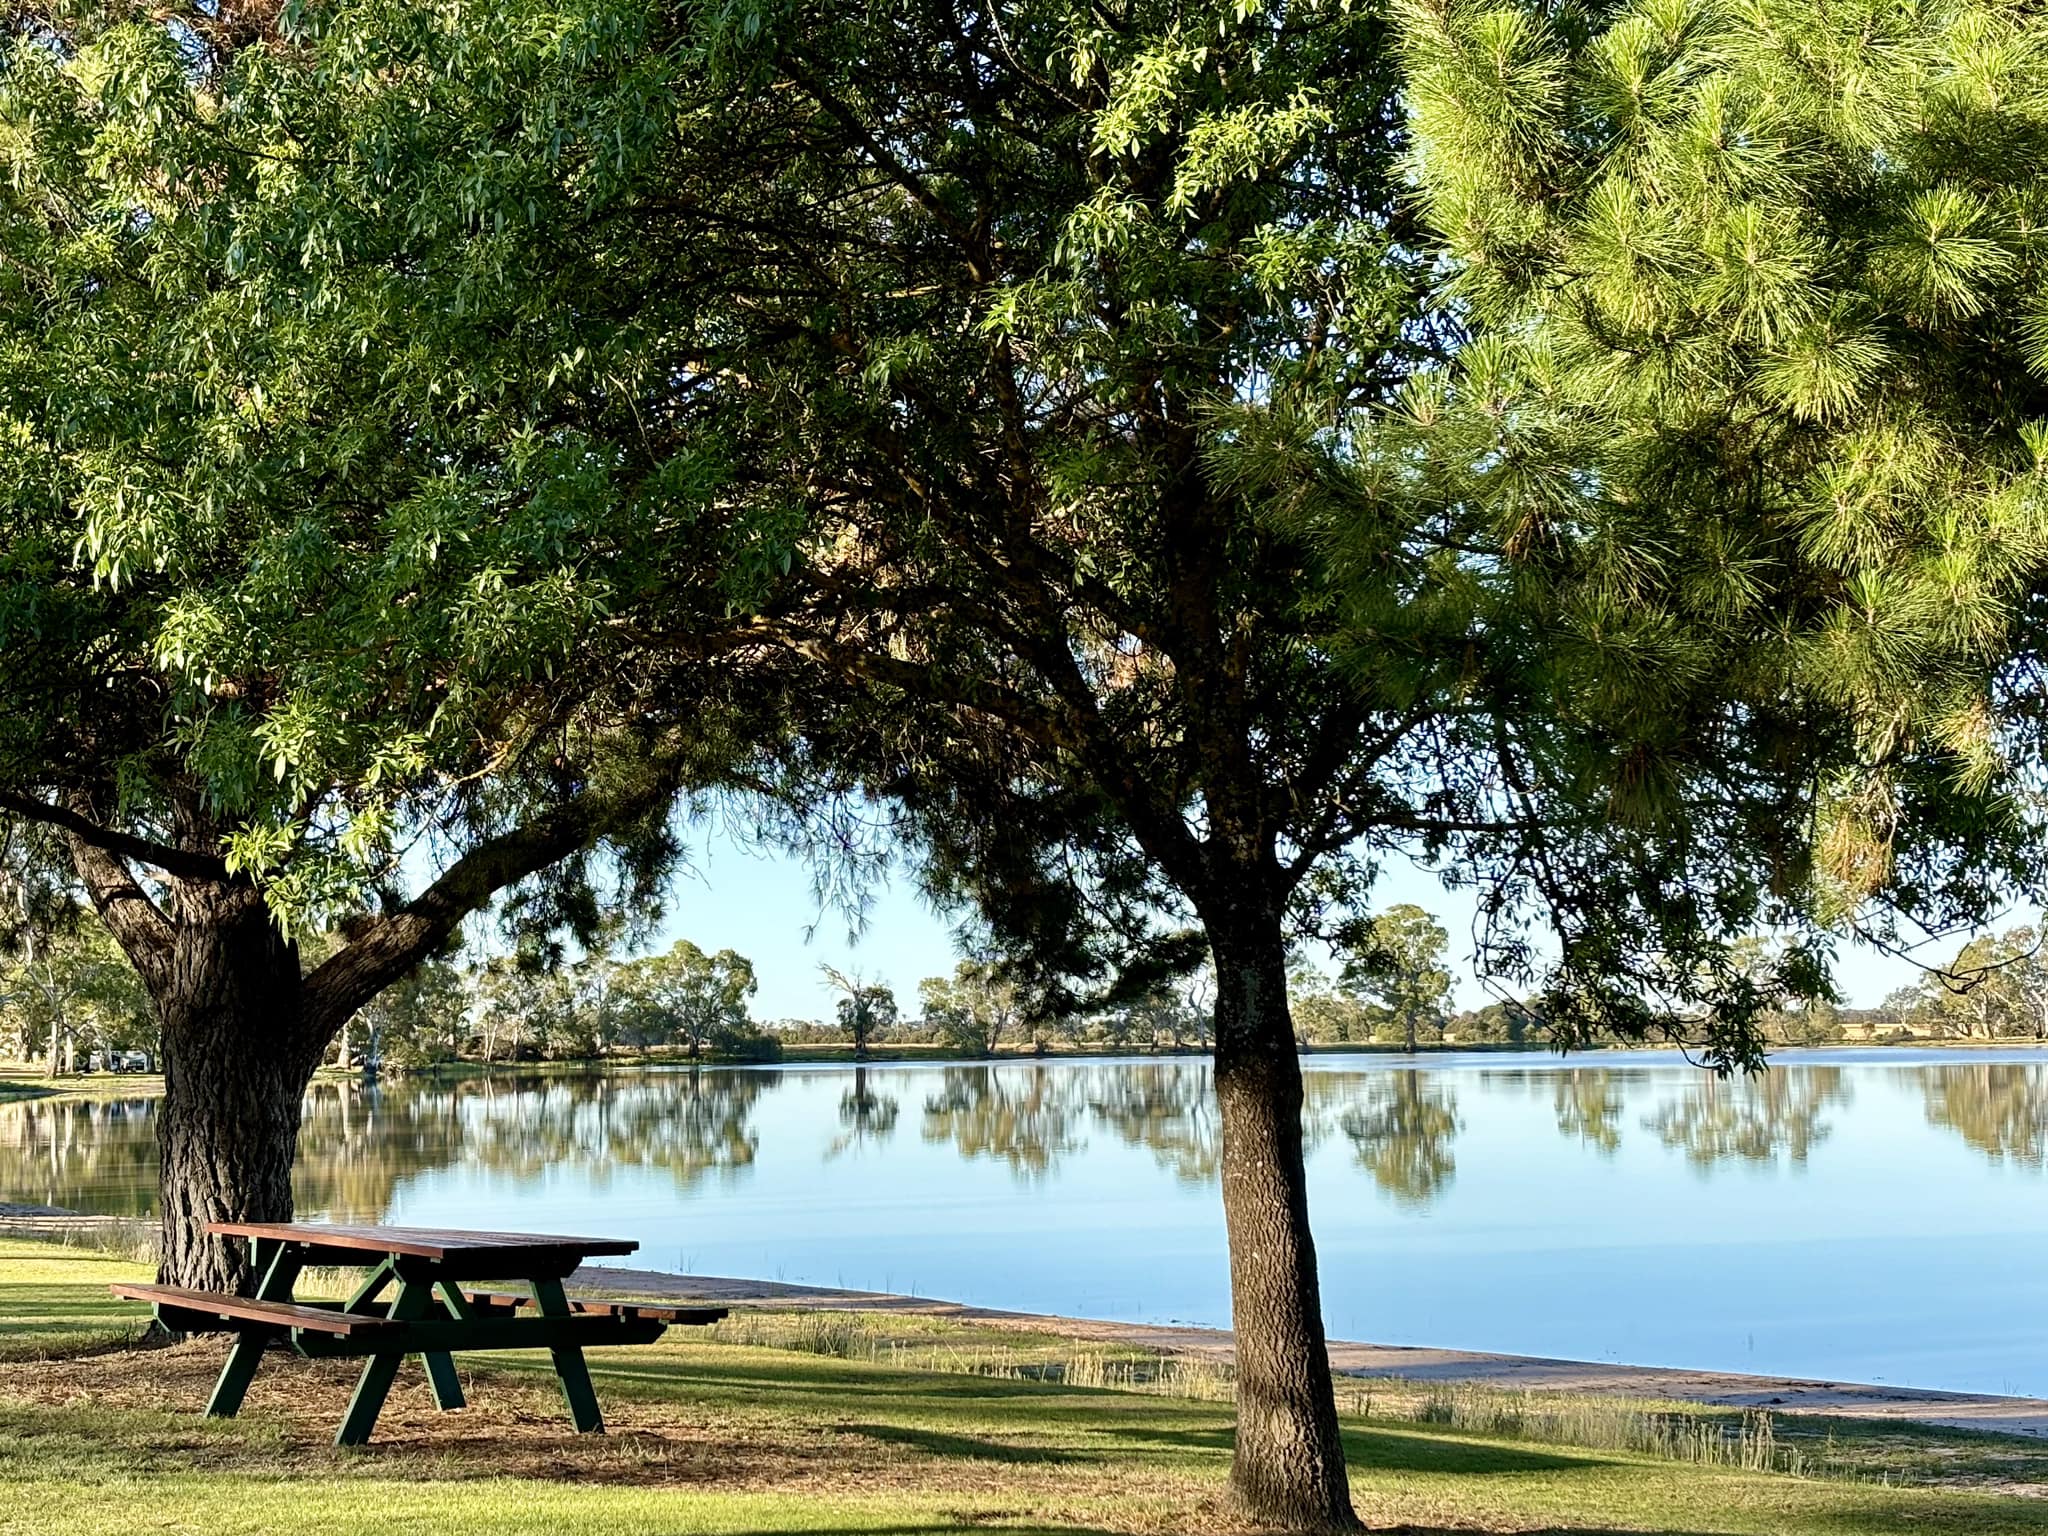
pixel 1757 292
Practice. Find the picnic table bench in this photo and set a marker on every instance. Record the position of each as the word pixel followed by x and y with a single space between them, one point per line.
pixel 430 1313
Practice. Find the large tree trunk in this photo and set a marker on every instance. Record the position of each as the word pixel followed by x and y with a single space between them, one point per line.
pixel 235 1076
pixel 1289 1464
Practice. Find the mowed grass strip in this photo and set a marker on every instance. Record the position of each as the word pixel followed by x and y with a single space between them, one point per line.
pixel 732 1438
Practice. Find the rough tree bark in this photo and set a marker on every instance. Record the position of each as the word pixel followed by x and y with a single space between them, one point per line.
pixel 1288 1466
pixel 236 1064
pixel 243 1027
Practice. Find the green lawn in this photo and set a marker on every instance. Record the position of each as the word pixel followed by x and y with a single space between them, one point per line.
pixel 714 1436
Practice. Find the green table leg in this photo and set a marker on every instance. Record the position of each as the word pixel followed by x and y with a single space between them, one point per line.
pixel 362 1297
pixel 280 1264
pixel 569 1367
pixel 439 1363
pixel 411 1303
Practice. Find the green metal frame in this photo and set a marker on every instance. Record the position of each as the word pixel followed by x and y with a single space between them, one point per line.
pixel 433 1326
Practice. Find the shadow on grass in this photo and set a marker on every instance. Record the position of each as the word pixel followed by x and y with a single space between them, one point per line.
pixel 1401 1450
pixel 968 1447
pixel 944 1524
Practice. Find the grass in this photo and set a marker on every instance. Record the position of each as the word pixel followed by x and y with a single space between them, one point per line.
pixel 793 1424
pixel 30 1082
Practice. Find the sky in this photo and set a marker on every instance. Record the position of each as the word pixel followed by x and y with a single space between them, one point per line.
pixel 763 905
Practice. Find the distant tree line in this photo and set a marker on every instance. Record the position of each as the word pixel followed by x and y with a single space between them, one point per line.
pixel 68 995
pixel 1996 988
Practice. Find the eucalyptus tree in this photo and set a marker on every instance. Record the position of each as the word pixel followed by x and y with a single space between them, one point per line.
pixel 291 563
pixel 864 1008
pixel 697 996
pixel 1398 962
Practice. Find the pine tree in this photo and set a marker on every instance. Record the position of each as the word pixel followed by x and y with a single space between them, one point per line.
pixel 1753 396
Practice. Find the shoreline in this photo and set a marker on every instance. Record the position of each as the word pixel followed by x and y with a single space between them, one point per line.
pixel 1421 1365
pixel 21 1083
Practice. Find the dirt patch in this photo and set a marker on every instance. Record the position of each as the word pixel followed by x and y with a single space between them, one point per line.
pixel 515 1425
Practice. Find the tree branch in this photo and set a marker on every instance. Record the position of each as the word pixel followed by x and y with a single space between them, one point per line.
pixel 183 863
pixel 397 941
pixel 137 923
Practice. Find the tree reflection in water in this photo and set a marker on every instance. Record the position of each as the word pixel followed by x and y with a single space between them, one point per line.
pixel 1402 1133
pixel 358 1141
pixel 362 1142
pixel 986 1112
pixel 1588 1102
pixel 866 1115
pixel 1754 1119
pixel 97 1156
pixel 1999 1109
pixel 690 1125
pixel 1169 1109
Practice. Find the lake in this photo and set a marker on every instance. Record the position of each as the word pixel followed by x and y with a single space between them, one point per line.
pixel 1870 1215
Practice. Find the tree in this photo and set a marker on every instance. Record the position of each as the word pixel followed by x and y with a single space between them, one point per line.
pixel 1758 364
pixel 1398 961
pixel 699 995
pixel 423 1019
pixel 524 1006
pixel 268 613
pixel 1324 1012
pixel 1012 359
pixel 982 343
pixel 864 1008
pixel 69 989
pixel 972 1010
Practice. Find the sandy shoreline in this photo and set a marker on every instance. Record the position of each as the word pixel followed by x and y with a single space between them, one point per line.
pixel 1948 1410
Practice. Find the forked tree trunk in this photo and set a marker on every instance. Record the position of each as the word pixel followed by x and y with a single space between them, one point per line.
pixel 1288 1469
pixel 235 1075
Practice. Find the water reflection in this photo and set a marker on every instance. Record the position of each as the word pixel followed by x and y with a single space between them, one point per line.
pixel 1398 1125
pixel 1588 1105
pixel 1753 1119
pixel 1587 1101
pixel 1170 1111
pixel 866 1115
pixel 360 1142
pixel 1999 1109
pixel 1465 1200
pixel 1025 1117
pixel 1402 1134
pixel 97 1156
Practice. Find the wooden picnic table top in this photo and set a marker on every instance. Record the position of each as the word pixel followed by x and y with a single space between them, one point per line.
pixel 435 1243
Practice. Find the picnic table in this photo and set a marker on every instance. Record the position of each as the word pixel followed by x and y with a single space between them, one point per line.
pixel 435 1308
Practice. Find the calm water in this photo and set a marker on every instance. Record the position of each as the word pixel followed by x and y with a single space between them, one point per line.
pixel 1876 1216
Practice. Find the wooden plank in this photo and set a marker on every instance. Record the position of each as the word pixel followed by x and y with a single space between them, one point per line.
pixel 421 1242
pixel 279 1314
pixel 485 1332
pixel 680 1316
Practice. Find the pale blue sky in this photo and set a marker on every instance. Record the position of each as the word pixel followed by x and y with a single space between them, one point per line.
pixel 762 904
